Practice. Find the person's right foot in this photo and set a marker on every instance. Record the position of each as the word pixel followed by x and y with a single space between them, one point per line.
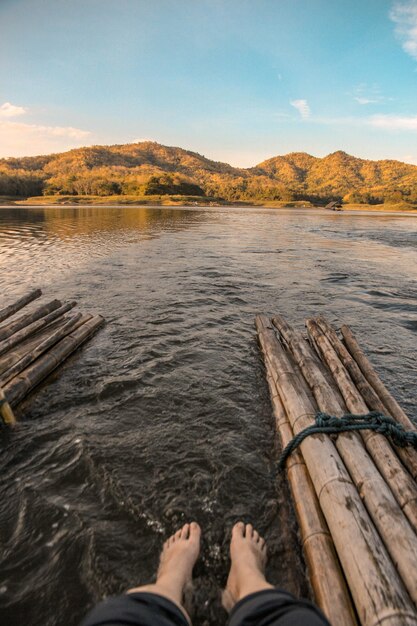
pixel 248 556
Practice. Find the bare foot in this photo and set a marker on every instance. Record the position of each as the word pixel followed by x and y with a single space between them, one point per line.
pixel 178 557
pixel 248 556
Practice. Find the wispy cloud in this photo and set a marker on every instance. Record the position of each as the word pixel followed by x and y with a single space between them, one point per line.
pixel 404 16
pixel 382 122
pixel 21 138
pixel 51 131
pixel 363 100
pixel 365 94
pixel 302 107
pixel 394 122
pixel 11 110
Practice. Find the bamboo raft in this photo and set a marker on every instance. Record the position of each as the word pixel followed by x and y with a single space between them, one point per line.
pixel 34 343
pixel 355 494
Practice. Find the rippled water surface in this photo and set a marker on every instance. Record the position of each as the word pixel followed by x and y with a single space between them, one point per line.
pixel 164 416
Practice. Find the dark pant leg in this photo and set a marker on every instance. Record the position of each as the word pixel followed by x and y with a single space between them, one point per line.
pixel 136 609
pixel 274 607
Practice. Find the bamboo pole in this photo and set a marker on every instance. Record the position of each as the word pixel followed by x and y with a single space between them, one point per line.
pixel 9 329
pixel 407 455
pixel 330 590
pixel 13 308
pixel 33 345
pixel 401 483
pixel 29 330
pixel 306 355
pixel 383 508
pixel 376 588
pixel 40 349
pixel 22 384
pixel 6 410
pixel 374 380
pixel 19 351
pixel 367 392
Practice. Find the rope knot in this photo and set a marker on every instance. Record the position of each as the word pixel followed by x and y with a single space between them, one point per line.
pixel 324 420
pixel 329 424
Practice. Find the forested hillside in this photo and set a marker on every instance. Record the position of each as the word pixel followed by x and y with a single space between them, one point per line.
pixel 148 169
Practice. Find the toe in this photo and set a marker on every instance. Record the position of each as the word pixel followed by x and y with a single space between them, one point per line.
pixel 177 535
pixel 255 536
pixel 248 531
pixel 262 544
pixel 195 531
pixel 238 529
pixel 185 531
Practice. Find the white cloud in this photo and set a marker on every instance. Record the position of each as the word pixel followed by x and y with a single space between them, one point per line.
pixel 142 140
pixel 23 139
pixel 363 100
pixel 404 15
pixel 388 122
pixel 302 107
pixel 369 93
pixel 394 122
pixel 11 110
pixel 20 139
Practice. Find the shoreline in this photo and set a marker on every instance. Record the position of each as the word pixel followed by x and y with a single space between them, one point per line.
pixel 364 208
pixel 190 201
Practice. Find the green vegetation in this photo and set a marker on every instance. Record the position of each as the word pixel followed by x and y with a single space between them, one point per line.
pixel 154 200
pixel 150 173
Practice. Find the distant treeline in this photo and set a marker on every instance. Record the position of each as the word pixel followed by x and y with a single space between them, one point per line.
pixel 149 169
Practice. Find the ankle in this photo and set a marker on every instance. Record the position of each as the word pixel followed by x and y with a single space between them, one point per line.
pixel 248 580
pixel 252 586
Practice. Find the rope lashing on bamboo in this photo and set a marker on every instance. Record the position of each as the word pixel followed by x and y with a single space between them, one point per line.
pixel 330 425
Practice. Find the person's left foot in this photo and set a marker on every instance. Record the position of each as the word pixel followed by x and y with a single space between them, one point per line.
pixel 177 560
pixel 179 554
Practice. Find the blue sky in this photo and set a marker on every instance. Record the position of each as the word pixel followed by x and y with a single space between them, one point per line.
pixel 236 80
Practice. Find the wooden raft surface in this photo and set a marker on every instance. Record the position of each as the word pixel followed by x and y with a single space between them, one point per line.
pixel 34 341
pixel 355 495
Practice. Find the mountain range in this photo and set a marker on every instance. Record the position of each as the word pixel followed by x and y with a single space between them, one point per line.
pixel 150 169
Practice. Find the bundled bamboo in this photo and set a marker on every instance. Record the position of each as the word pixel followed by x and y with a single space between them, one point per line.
pixel 24 320
pixel 377 496
pixel 376 588
pixel 351 366
pixel 374 380
pixel 6 410
pixel 21 385
pixel 8 359
pixel 307 359
pixel 330 591
pixel 69 326
pixel 400 481
pixel 31 329
pixel 372 400
pixel 13 308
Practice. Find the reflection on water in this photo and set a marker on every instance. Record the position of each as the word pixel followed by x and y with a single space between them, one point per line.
pixel 165 416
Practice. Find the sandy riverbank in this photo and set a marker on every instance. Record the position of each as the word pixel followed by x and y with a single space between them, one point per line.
pixel 191 201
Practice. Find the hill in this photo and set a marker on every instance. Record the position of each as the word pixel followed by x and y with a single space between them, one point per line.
pixel 149 169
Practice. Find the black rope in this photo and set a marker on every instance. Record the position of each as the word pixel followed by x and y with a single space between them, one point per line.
pixel 331 425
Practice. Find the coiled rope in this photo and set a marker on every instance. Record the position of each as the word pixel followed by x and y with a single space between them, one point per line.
pixel 331 425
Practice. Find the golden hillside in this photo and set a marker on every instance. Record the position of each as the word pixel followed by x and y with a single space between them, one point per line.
pixel 149 168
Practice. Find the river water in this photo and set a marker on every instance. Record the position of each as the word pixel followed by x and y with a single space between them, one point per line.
pixel 165 416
